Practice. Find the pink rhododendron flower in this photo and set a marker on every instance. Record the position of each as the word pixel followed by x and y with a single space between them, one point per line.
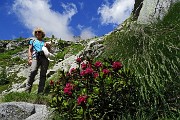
pixel 68 89
pixel 81 100
pixel 96 75
pixel 83 66
pixel 78 60
pixel 105 71
pixel 83 73
pixel 117 65
pixel 69 85
pixel 89 71
pixel 98 64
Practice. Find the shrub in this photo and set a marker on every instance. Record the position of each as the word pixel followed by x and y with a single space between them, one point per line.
pixel 94 90
pixel 3 77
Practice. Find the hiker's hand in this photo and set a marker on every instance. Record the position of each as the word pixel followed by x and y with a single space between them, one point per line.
pixel 47 45
pixel 29 61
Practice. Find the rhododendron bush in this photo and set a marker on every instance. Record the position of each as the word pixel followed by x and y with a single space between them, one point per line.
pixel 94 90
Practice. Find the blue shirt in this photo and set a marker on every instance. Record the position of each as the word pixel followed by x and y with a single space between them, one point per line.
pixel 37 46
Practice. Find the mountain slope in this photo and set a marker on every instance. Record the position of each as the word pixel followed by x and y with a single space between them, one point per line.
pixel 153 53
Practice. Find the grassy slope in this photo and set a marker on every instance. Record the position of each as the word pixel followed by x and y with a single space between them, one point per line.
pixel 152 52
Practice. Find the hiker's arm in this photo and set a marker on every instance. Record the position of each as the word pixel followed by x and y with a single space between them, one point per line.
pixel 30 50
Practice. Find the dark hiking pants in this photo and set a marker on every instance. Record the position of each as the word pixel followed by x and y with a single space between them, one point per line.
pixel 43 63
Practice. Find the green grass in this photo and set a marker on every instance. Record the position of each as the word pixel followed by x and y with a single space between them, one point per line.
pixel 72 49
pixel 25 97
pixel 5 57
pixel 153 53
pixel 3 87
pixel 32 97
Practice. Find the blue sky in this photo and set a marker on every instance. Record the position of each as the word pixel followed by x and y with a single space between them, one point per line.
pixel 62 18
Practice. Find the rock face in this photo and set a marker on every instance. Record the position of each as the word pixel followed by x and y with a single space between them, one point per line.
pixel 153 10
pixel 93 49
pixel 15 111
pixel 23 55
pixel 23 111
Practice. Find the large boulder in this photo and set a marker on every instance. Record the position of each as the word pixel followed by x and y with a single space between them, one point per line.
pixel 23 111
pixel 93 49
pixel 153 10
pixel 16 111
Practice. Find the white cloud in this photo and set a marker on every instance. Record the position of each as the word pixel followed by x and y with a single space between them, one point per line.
pixel 80 27
pixel 38 13
pixel 117 12
pixel 87 33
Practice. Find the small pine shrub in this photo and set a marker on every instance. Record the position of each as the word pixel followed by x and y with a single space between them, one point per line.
pixel 3 77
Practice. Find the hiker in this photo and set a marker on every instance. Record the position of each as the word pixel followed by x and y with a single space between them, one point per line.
pixel 36 59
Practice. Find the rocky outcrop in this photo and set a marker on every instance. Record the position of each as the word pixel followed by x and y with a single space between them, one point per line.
pixel 23 111
pixel 13 44
pixel 3 46
pixel 23 55
pixel 93 49
pixel 153 10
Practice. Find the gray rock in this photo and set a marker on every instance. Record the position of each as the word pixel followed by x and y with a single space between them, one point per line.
pixel 41 113
pixel 23 111
pixel 153 10
pixel 64 65
pixel 93 49
pixel 16 110
pixel 23 55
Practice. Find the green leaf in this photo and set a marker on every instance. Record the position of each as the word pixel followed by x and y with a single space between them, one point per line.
pixel 65 103
pixel 108 81
pixel 90 101
pixel 96 90
pixel 80 111
pixel 84 91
